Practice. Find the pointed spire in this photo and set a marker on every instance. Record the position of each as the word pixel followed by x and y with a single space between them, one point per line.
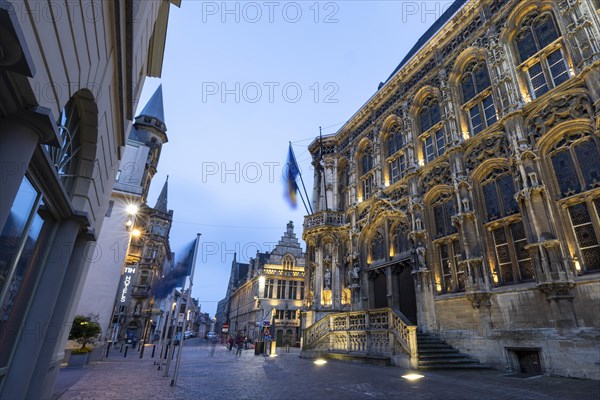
pixel 161 202
pixel 154 107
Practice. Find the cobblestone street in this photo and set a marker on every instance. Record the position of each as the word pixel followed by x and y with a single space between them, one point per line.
pixel 225 376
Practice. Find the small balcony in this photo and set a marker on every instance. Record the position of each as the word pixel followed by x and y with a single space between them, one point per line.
pixel 324 218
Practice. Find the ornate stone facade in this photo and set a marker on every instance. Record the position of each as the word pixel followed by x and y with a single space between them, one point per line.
pixel 466 192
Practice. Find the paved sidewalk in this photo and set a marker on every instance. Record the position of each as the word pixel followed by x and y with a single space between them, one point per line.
pixel 226 377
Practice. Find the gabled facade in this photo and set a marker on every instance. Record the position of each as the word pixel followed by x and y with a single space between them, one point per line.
pixel 272 292
pixel 465 194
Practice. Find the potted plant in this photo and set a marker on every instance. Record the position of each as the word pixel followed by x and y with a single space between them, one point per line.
pixel 85 330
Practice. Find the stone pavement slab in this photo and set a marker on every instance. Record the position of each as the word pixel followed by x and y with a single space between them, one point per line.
pixel 224 376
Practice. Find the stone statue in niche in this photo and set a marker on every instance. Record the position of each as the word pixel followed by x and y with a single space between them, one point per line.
pixel 422 264
pixel 465 203
pixel 327 279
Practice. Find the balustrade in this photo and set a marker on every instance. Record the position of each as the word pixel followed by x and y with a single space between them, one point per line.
pixel 380 332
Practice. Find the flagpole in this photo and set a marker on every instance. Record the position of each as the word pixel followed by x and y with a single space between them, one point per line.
pixel 302 198
pixel 302 181
pixel 323 166
pixel 187 308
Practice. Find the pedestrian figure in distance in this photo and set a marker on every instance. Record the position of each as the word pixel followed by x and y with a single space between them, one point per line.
pixel 239 342
pixel 230 343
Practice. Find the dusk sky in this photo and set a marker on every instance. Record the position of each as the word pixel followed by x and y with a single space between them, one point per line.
pixel 241 80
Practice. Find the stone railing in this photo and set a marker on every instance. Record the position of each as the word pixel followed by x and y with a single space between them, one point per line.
pixel 321 218
pixel 373 332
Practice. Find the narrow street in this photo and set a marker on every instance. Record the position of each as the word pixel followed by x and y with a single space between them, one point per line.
pixel 224 376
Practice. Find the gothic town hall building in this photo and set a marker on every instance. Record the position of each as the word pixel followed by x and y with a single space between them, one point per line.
pixel 461 203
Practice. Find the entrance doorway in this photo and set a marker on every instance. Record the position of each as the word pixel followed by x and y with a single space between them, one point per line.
pixel 407 299
pixel 379 290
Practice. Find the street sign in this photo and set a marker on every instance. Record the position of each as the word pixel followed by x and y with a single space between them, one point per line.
pixel 266 323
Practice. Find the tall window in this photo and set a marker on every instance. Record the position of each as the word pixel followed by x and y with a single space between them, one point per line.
pixel 269 284
pixel 395 141
pixel 396 158
pixel 301 290
pixel 513 260
pixel 293 290
pixel 432 131
pixel 577 170
pixel 499 195
pixel 280 289
pixel 402 244
pixel 444 207
pixel 366 174
pixel 450 272
pixel 478 101
pixel 541 53
pixel 378 246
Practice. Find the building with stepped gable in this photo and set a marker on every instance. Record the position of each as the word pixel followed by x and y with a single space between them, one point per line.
pixel 459 206
pixel 267 294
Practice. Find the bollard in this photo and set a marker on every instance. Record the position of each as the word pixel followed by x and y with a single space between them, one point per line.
pixel 153 349
pixel 125 355
pixel 108 349
pixel 121 348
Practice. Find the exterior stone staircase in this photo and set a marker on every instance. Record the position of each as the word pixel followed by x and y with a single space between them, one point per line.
pixel 381 336
pixel 434 353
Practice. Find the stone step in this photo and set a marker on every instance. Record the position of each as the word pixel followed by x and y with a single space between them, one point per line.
pixel 441 355
pixel 448 361
pixel 366 358
pixel 438 351
pixel 434 346
pixel 453 366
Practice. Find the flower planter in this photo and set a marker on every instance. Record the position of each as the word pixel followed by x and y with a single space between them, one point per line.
pixel 79 360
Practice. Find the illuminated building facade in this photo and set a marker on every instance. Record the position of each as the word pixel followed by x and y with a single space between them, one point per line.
pixel 272 292
pixel 464 196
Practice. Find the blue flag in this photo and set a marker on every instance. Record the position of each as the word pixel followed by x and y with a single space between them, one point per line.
pixel 291 174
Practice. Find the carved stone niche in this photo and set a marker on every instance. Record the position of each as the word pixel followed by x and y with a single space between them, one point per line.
pixel 479 299
pixel 557 290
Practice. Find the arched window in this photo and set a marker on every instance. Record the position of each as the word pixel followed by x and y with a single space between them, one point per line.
pixel 541 54
pixel 432 131
pixel 478 101
pixel 396 157
pixel 288 262
pixel 450 274
pixel 366 163
pixel 577 170
pixel 378 247
pixel 402 244
pixel 395 141
pixel 65 158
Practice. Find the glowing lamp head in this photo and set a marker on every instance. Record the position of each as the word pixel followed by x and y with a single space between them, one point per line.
pixel 132 209
pixel 136 232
